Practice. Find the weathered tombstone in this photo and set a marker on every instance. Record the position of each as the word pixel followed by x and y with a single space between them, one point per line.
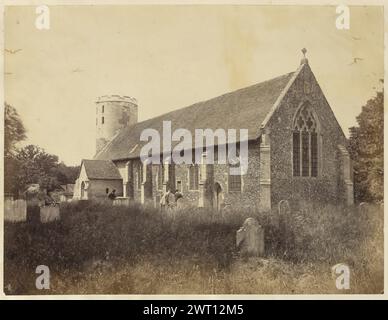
pixel 363 208
pixel 20 210
pixel 49 214
pixel 284 216
pixel 284 211
pixel 283 207
pixel 121 201
pixel 250 238
pixel 181 203
pixel 15 210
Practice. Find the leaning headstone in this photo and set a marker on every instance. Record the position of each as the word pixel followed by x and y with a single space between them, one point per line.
pixel 250 238
pixel 363 208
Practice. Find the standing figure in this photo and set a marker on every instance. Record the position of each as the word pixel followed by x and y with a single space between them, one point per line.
pixel 112 195
pixel 177 195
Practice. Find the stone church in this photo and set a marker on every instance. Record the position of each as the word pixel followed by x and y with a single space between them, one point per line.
pixel 296 150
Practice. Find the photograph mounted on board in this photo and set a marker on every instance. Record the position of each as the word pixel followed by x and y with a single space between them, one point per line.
pixel 218 149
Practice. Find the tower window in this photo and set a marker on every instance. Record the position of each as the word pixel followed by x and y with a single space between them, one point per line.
pixel 102 120
pixel 102 109
pixel 305 143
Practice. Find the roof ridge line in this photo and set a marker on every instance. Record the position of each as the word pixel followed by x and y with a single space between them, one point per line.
pixel 281 96
pixel 258 98
pixel 216 97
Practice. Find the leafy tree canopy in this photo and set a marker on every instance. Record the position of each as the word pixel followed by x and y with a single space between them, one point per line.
pixel 367 150
pixel 14 130
pixel 30 164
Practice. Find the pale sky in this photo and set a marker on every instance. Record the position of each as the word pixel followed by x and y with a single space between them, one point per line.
pixel 168 57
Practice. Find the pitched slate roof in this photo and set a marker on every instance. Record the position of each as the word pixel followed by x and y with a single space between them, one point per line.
pixel 101 169
pixel 245 108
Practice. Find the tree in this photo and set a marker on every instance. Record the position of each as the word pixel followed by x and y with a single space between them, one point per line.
pixel 33 164
pixel 66 174
pixel 366 146
pixel 14 130
pixel 30 164
pixel 36 166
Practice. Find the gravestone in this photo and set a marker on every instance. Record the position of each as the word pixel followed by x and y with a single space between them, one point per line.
pixel 49 214
pixel 363 208
pixel 15 210
pixel 284 212
pixel 181 203
pixel 284 208
pixel 284 216
pixel 121 201
pixel 250 238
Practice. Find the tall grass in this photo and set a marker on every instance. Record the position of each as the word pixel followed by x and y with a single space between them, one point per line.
pixel 97 248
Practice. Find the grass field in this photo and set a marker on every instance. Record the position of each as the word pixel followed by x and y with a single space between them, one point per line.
pixel 99 249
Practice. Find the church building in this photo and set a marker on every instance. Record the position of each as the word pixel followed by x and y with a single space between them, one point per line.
pixel 297 150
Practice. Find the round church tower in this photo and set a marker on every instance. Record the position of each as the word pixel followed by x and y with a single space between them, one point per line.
pixel 113 113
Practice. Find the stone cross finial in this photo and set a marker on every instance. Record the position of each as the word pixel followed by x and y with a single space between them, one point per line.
pixel 304 60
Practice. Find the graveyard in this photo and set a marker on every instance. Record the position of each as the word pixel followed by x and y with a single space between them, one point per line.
pixel 95 247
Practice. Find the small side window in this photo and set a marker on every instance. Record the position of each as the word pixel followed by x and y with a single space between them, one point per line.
pixel 179 185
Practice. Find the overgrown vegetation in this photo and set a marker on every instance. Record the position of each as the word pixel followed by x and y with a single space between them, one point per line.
pixel 97 248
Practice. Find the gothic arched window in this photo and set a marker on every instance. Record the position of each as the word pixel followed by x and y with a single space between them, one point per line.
pixel 305 143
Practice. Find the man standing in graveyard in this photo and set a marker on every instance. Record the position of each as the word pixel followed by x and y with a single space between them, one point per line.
pixel 177 195
pixel 112 195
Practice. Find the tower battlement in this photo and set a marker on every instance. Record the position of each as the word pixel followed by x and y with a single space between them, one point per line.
pixel 116 98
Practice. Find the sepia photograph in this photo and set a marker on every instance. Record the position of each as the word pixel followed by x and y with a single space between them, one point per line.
pixel 210 149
